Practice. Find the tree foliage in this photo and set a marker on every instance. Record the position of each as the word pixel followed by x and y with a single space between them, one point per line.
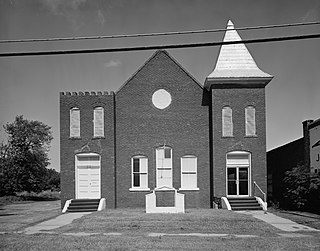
pixel 302 189
pixel 24 158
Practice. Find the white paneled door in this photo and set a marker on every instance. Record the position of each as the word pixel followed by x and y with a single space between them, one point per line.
pixel 88 178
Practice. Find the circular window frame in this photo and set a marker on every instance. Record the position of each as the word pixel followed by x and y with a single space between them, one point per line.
pixel 161 99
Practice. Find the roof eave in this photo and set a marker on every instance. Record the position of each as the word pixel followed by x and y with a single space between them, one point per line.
pixel 237 82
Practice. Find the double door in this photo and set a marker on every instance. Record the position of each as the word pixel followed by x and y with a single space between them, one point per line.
pixel 237 181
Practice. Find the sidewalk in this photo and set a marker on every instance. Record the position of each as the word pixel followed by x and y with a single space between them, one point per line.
pixel 278 222
pixel 57 222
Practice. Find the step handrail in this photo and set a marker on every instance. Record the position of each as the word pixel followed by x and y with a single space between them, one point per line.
pixel 264 194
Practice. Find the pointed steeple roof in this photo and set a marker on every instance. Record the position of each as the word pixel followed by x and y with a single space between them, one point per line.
pixel 235 61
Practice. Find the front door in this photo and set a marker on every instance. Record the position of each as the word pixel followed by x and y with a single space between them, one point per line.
pixel 238 181
pixel 88 182
pixel 88 177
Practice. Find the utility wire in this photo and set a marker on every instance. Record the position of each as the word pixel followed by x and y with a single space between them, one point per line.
pixel 156 34
pixel 158 47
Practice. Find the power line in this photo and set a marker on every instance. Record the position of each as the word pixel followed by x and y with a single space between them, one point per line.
pixel 158 47
pixel 156 34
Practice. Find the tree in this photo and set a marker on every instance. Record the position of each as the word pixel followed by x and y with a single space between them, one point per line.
pixel 302 188
pixel 24 158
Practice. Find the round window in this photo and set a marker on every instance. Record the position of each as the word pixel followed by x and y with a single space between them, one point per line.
pixel 161 99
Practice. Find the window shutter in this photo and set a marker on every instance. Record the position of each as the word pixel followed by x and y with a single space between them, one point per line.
pixel 227 125
pixel 98 122
pixel 250 121
pixel 75 122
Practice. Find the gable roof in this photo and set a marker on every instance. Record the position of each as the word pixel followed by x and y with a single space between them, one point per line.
pixel 155 56
pixel 235 61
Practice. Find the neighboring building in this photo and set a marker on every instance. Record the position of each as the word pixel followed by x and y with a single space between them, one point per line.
pixel 163 129
pixel 303 151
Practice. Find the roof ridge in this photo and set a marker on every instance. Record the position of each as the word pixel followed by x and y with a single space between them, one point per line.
pixel 152 57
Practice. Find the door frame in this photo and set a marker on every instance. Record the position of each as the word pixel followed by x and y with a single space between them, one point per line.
pixel 237 166
pixel 77 173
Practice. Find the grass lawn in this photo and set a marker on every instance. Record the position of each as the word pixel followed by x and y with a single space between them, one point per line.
pixel 130 229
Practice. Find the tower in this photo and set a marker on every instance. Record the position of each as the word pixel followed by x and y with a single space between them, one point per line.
pixel 238 122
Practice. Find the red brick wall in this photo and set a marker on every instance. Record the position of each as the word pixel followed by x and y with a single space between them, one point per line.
pixel 141 128
pixel 238 99
pixel 86 102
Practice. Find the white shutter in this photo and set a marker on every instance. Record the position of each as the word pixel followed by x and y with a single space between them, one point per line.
pixel 75 122
pixel 250 121
pixel 227 126
pixel 98 122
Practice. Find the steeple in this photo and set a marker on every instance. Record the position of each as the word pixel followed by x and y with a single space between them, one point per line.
pixel 235 63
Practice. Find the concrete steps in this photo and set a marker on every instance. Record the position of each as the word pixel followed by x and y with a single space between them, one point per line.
pixel 83 205
pixel 247 203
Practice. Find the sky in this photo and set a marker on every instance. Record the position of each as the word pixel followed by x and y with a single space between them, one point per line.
pixel 30 86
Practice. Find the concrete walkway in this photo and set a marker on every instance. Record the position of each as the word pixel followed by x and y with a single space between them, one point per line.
pixel 278 222
pixel 57 222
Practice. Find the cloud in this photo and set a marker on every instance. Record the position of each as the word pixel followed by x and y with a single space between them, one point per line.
pixel 61 7
pixel 112 63
pixel 101 17
pixel 69 9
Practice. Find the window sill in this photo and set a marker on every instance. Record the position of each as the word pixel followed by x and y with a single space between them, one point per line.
pixel 74 137
pixel 98 137
pixel 189 189
pixel 251 136
pixel 137 189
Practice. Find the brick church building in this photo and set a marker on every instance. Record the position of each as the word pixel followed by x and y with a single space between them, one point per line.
pixel 163 129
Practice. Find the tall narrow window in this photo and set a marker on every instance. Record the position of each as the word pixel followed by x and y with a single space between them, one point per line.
pixel 164 166
pixel 98 121
pixel 250 114
pixel 74 122
pixel 189 173
pixel 139 167
pixel 227 125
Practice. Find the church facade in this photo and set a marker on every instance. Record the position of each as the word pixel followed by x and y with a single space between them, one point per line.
pixel 164 129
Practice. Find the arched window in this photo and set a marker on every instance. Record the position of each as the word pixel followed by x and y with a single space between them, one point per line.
pixel 189 173
pixel 139 171
pixel 250 114
pixel 74 122
pixel 98 121
pixel 227 124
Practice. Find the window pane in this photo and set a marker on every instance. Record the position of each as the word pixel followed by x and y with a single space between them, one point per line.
pixel 136 180
pixel 143 180
pixel 189 164
pixel 143 165
pixel 167 153
pixel 250 121
pixel 227 126
pixel 98 122
pixel 189 181
pixel 136 165
pixel 74 122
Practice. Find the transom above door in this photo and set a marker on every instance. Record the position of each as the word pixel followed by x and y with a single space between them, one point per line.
pixel 238 174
